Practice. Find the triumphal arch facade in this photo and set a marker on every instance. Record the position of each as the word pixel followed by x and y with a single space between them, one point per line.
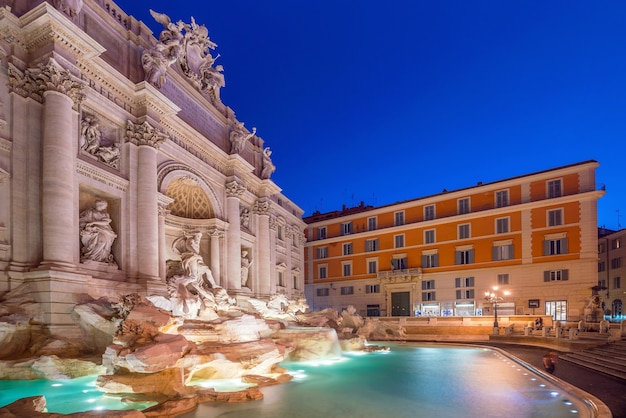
pixel 121 169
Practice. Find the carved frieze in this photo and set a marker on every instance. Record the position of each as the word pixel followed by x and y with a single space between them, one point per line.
pixel 144 134
pixel 94 142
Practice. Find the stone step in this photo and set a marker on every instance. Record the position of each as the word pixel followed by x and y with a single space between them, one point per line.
pixel 601 359
pixel 603 369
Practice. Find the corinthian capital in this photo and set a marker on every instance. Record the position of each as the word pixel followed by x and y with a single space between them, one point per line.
pixel 234 189
pixel 34 82
pixel 261 207
pixel 144 134
pixel 53 77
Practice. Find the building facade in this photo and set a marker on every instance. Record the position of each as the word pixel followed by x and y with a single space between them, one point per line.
pixel 611 271
pixel 119 162
pixel 533 237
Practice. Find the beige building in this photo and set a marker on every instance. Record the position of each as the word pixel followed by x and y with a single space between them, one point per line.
pixel 533 236
pixel 612 272
pixel 120 165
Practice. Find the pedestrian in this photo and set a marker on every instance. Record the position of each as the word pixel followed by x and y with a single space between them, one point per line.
pixel 549 361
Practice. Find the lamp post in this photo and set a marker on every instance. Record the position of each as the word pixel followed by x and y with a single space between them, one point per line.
pixel 492 296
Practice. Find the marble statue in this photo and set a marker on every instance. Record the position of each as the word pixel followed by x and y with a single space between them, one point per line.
pixel 192 263
pixel 239 137
pixel 91 142
pixel 245 267
pixel 96 234
pixel 268 166
pixel 189 45
pixel 245 217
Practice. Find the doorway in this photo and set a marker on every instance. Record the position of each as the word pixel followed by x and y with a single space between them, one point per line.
pixel 401 304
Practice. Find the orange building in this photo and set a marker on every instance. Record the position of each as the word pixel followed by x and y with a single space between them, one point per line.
pixel 533 236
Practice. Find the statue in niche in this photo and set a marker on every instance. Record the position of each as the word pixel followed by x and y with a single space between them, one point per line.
pixel 239 138
pixel 91 142
pixel 244 218
pixel 96 234
pixel 268 166
pixel 245 267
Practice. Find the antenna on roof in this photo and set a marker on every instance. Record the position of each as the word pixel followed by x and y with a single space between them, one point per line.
pixel 619 226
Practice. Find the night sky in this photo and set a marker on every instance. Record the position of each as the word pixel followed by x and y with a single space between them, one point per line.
pixel 388 101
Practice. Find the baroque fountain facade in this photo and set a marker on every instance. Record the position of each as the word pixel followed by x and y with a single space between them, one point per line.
pixel 139 223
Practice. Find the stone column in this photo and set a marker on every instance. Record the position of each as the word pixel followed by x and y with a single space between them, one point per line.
pixel 234 190
pixel 162 267
pixel 261 209
pixel 148 140
pixel 214 263
pixel 59 232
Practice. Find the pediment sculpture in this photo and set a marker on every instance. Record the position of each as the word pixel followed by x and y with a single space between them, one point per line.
pixel 188 45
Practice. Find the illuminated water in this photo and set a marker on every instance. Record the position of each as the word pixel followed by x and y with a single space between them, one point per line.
pixel 408 381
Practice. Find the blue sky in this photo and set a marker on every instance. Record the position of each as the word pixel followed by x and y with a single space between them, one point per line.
pixel 387 101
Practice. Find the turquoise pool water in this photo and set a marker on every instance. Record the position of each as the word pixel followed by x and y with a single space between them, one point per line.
pixel 411 381
pixel 407 381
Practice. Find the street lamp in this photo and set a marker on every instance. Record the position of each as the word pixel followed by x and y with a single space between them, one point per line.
pixel 492 296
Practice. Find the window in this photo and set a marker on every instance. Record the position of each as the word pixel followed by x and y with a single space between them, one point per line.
pixel 347 269
pixel 555 275
pixel 554 189
pixel 557 309
pixel 502 252
pixel 428 284
pixel 346 228
pixel 281 279
pixel 322 292
pixel 617 283
pixel 464 231
pixel 430 260
pixel 279 232
pixel 502 225
pixel 373 310
pixel 503 279
pixel 601 266
pixel 295 281
pixel 616 243
pixel 464 282
pixel 371 245
pixel 602 283
pixel 616 262
pixel 322 252
pixel 321 232
pixel 347 248
pixel 464 257
pixel 372 267
pixel 347 290
pixel 465 294
pixel 372 288
pixel 429 236
pixel 502 198
pixel 398 263
pixel 555 217
pixel 463 206
pixel 399 241
pixel 399 218
pixel 555 246
pixel 371 224
pixel 428 296
pixel 601 247
pixel 429 212
pixel 322 272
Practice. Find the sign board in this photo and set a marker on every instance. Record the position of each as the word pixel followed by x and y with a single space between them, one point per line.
pixel 533 303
